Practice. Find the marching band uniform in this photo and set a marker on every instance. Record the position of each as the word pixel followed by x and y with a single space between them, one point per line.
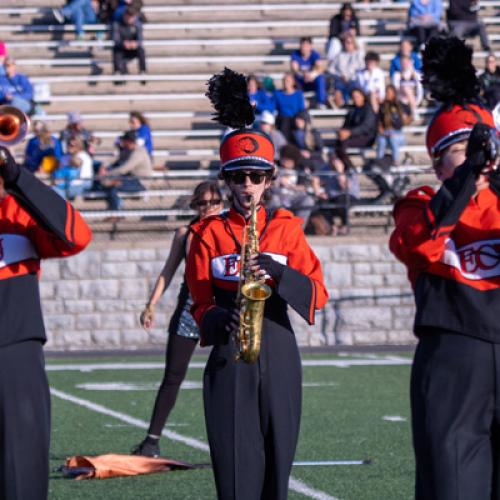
pixel 450 242
pixel 252 411
pixel 35 223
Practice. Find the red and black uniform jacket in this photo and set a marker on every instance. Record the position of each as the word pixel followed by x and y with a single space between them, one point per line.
pixel 453 259
pixel 35 223
pixel 213 271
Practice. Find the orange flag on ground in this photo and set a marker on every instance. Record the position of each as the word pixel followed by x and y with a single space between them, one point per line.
pixel 114 465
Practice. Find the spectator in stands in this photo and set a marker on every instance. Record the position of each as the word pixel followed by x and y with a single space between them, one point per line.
pixel 393 116
pixel 128 42
pixel 343 69
pixel 124 175
pixel 266 124
pixel 490 81
pixel 43 150
pixel 78 12
pixel 424 20
pixel 289 101
pixel 359 129
pixel 75 128
pixel 3 56
pixel 371 79
pixel 140 125
pixel 308 139
pixel 408 84
pixel 345 22
pixel 16 88
pixel 122 6
pixel 464 23
pixel 75 172
pixel 259 98
pixel 308 70
pixel 405 49
pixel 289 190
pixel 337 187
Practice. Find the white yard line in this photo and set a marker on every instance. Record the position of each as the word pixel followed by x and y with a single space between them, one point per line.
pixel 294 484
pixel 341 363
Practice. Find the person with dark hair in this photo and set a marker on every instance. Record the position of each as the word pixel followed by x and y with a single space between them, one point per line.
pixel 35 224
pixel 127 36
pixel 462 16
pixel 337 188
pixel 289 101
pixel 260 99
pixel 393 116
pixel 132 164
pixel 359 129
pixel 307 138
pixel 252 409
pixel 183 333
pixel 371 80
pixel 448 240
pixel 140 125
pixel 345 22
pixel 490 81
pixel 306 66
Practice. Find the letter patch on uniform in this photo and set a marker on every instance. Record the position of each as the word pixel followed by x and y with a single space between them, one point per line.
pixel 476 261
pixel 227 267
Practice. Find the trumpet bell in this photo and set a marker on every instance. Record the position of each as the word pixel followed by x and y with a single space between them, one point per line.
pixel 14 125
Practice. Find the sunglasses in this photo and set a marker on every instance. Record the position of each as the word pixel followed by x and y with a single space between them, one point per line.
pixel 205 203
pixel 239 177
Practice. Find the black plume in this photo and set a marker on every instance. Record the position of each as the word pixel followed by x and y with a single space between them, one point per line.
pixel 448 72
pixel 228 94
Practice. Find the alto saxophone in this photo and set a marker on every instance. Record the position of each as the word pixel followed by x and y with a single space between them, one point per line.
pixel 252 294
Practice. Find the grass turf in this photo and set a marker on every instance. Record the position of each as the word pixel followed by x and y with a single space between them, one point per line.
pixel 342 419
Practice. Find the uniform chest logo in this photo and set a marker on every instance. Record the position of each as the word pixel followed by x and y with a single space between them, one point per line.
pixel 227 267
pixel 477 261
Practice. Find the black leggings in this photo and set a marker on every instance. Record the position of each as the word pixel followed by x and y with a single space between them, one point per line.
pixel 179 352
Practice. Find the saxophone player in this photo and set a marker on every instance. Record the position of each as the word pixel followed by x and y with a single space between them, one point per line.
pixel 252 410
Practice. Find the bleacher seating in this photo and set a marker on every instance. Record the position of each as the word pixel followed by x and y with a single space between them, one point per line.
pixel 185 44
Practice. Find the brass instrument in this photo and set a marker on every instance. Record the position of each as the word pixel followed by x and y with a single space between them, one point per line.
pixel 14 125
pixel 252 294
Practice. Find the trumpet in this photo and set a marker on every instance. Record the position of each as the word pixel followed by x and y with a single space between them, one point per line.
pixel 14 125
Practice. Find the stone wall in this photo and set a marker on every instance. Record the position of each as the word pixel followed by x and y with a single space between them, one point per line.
pixel 93 300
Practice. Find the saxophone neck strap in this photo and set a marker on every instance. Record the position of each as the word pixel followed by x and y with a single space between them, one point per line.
pixel 269 217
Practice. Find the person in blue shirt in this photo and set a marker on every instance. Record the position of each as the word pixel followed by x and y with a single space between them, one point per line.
pixel 424 20
pixel 259 98
pixel 42 145
pixel 308 70
pixel 405 49
pixel 15 88
pixel 140 125
pixel 289 102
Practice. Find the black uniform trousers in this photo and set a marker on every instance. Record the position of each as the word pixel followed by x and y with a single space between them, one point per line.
pixel 455 399
pixel 24 422
pixel 252 414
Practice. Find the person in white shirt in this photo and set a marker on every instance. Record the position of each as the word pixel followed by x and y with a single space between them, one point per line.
pixel 371 80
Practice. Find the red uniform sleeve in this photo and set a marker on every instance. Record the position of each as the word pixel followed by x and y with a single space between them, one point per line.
pixel 198 277
pixel 414 241
pixel 55 228
pixel 302 284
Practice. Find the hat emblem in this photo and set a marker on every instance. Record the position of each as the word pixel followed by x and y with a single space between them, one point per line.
pixel 248 145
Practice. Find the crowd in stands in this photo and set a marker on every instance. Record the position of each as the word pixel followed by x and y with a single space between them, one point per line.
pixel 317 179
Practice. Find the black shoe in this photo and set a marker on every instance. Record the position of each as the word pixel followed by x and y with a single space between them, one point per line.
pixel 147 449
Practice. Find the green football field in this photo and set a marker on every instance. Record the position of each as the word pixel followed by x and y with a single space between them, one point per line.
pixel 355 407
